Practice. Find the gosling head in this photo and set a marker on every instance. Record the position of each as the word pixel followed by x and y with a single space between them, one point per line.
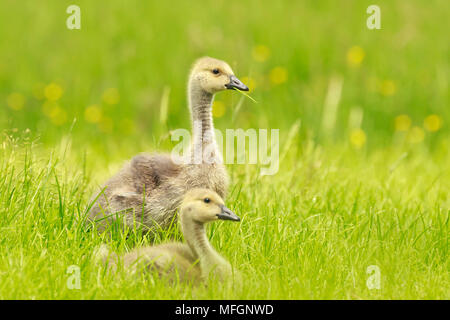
pixel 203 206
pixel 214 75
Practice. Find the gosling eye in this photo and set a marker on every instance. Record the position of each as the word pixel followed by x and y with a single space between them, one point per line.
pixel 215 71
pixel 206 200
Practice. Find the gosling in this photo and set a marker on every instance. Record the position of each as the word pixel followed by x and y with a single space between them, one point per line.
pixel 194 261
pixel 147 191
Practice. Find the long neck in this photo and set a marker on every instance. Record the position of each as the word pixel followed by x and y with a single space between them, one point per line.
pixel 195 236
pixel 200 105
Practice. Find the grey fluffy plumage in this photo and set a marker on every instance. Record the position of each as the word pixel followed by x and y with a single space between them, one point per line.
pixel 147 191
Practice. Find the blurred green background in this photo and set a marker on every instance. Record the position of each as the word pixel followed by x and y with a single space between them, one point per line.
pixel 364 140
pixel 385 85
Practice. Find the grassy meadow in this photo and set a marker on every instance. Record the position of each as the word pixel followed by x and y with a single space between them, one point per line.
pixel 364 174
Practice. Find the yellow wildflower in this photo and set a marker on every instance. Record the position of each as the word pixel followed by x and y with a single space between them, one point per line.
pixel 278 75
pixel 261 53
pixel 402 123
pixel 358 138
pixel 15 101
pixel 218 109
pixel 388 88
pixel 93 114
pixel 355 55
pixel 416 135
pixel 432 123
pixel 111 96
pixel 53 92
pixel 58 116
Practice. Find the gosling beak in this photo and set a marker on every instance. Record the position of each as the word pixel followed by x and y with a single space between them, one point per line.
pixel 235 83
pixel 227 214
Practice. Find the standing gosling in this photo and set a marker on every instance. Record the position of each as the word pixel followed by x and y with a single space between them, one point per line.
pixel 195 260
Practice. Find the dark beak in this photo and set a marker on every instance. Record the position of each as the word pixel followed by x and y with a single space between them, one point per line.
pixel 235 83
pixel 227 214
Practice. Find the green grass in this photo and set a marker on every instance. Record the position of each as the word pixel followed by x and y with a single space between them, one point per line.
pixel 372 189
pixel 309 232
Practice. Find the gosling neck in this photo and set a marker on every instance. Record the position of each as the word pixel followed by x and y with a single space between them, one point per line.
pixel 195 235
pixel 204 140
